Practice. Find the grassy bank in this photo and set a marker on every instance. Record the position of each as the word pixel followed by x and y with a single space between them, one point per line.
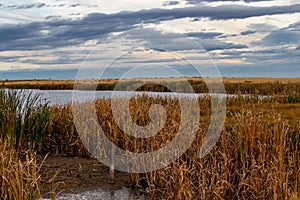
pixel 256 157
pixel 259 86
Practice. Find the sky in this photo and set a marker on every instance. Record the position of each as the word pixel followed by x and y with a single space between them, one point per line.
pixel 59 39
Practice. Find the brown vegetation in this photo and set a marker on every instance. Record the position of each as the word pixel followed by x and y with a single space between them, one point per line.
pixel 256 157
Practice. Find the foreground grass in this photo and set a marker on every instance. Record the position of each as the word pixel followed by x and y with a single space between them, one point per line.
pixel 256 157
pixel 23 123
pixel 20 178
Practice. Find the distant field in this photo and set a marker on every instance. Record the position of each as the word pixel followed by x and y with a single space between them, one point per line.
pixel 262 80
pixel 110 81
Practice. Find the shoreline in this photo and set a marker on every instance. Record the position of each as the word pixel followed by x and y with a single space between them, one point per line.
pixel 171 79
pixel 142 84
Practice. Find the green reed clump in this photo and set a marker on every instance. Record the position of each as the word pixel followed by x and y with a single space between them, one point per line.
pixel 24 119
pixel 24 122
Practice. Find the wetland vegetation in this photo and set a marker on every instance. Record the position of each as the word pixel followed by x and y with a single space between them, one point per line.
pixel 256 157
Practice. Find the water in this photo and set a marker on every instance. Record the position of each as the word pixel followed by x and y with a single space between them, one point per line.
pixel 60 97
pixel 122 194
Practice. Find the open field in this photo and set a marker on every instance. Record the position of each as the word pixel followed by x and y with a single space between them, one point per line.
pixel 110 81
pixel 256 157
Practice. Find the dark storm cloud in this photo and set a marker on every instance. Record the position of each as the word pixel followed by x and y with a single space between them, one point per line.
pixel 59 33
pixel 61 60
pixel 21 31
pixel 30 36
pixel 250 32
pixel 177 42
pixel 219 13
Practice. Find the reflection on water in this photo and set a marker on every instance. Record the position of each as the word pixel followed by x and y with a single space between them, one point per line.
pixel 65 96
pixel 61 97
pixel 122 194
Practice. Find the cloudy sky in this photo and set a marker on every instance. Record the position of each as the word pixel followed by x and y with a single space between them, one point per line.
pixel 56 38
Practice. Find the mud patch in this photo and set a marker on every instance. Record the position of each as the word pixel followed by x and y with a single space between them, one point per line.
pixel 85 176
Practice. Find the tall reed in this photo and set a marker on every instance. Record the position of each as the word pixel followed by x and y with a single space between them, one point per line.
pixel 24 119
pixel 257 157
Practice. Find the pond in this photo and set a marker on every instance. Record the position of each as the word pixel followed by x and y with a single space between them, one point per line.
pixel 61 97
pixel 121 194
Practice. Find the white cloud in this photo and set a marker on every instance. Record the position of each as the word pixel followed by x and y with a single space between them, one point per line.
pixel 243 34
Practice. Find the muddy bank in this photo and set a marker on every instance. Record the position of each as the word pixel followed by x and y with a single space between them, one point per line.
pixel 76 175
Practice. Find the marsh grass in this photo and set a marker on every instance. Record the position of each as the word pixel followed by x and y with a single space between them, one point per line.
pixel 24 119
pixel 256 157
pixel 62 138
pixel 20 178
pixel 291 90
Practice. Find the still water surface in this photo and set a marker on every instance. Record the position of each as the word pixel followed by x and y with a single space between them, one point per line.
pixel 65 96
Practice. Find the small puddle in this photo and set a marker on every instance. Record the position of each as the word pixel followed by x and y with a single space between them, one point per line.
pixel 122 194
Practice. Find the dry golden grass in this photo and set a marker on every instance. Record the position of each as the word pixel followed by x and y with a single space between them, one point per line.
pixel 23 123
pixel 20 178
pixel 261 80
pixel 256 157
pixel 289 111
pixel 106 81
